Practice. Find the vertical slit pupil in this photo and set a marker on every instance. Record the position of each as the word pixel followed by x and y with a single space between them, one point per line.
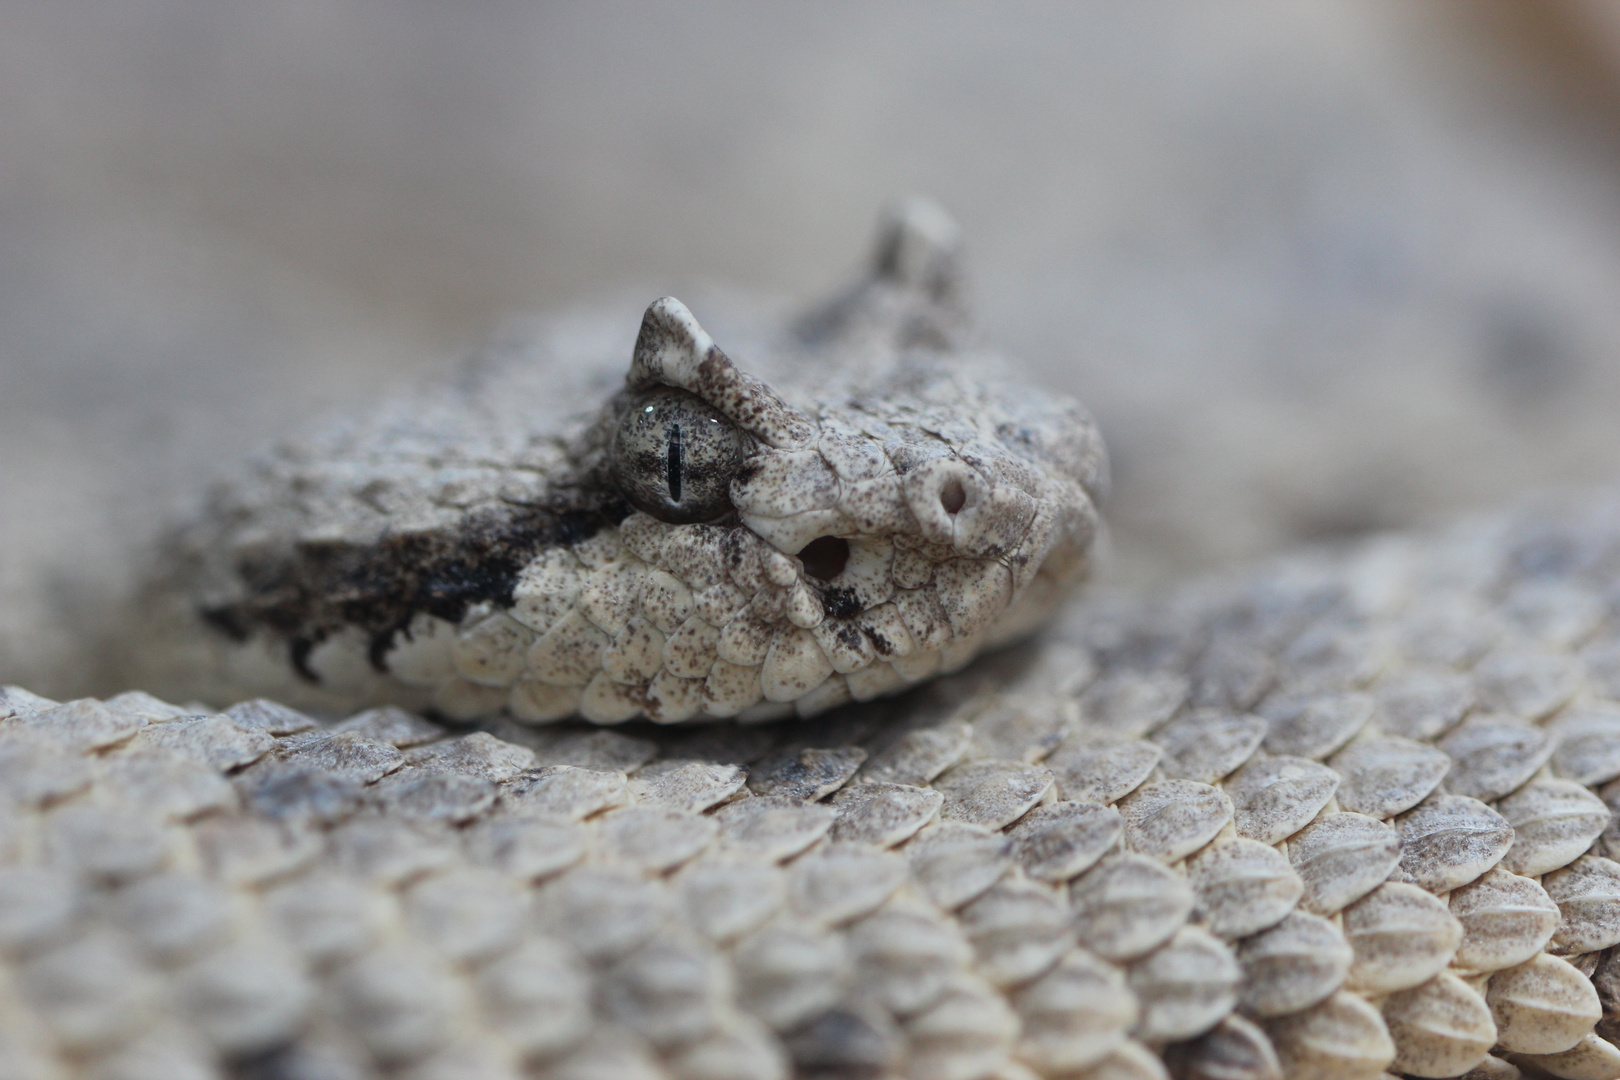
pixel 673 474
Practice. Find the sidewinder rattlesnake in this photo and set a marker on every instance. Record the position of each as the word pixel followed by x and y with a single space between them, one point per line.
pixel 1345 814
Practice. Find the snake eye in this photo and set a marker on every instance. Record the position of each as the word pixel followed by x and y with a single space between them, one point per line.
pixel 674 455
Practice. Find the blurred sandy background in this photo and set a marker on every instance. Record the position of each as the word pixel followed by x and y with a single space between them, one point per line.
pixel 1319 268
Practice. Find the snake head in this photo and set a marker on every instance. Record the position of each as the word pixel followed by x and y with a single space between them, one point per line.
pixel 872 503
pixel 806 548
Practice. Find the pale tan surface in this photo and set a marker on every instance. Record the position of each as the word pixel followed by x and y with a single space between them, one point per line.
pixel 1314 267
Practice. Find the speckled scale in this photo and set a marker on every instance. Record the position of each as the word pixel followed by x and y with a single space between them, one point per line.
pixel 1170 819
pixel 1423 703
pixel 1542 1006
pixel 1588 744
pixel 992 793
pixel 1184 987
pixel 1205 745
pixel 1062 840
pixel 1506 919
pixel 1441 1028
pixel 1587 893
pixel 1128 905
pixel 1018 929
pixel 883 814
pixel 1342 1038
pixel 772 827
pixel 953 862
pixel 840 882
pixel 1400 937
pixel 1313 725
pixel 1554 822
pixel 1242 886
pixel 1101 769
pixel 1292 966
pixel 1492 757
pixel 1382 777
pixel 1449 840
pixel 906 954
pixel 1234 1049
pixel 1273 798
pixel 1075 1015
pixel 1527 684
pixel 1342 857
pixel 1133 704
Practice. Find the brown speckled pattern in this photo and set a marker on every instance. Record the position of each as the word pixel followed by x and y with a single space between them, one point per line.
pixel 1344 815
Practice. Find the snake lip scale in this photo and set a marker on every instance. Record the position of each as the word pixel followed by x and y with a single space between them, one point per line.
pixel 1345 814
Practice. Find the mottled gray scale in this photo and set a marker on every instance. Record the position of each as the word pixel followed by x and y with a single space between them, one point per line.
pixel 1206 745
pixel 1449 840
pixel 1492 757
pixel 1506 920
pixel 992 794
pixel 1587 744
pixel 1102 769
pixel 1342 857
pixel 1383 777
pixel 1185 987
pixel 772 827
pixel 690 786
pixel 1294 965
pixel 1075 1016
pixel 1128 905
pixel 1587 893
pixel 955 862
pixel 1132 704
pixel 1554 822
pixel 883 814
pixel 1314 725
pixel 1018 929
pixel 1400 937
pixel 1170 819
pixel 1527 684
pixel 1062 840
pixel 1423 704
pixel 805 774
pixel 1242 886
pixel 1273 798
pixel 840 883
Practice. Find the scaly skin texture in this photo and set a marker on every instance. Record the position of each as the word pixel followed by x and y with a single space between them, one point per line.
pixel 890 503
pixel 1346 814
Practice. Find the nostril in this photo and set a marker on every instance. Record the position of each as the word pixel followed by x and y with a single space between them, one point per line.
pixel 953 496
pixel 824 557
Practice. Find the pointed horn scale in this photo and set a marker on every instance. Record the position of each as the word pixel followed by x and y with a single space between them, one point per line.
pixel 673 350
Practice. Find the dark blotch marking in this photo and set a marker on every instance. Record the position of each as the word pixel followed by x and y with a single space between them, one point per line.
pixel 882 644
pixel 841 603
pixel 321 587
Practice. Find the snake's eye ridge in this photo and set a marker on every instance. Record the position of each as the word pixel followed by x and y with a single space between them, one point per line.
pixel 674 456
